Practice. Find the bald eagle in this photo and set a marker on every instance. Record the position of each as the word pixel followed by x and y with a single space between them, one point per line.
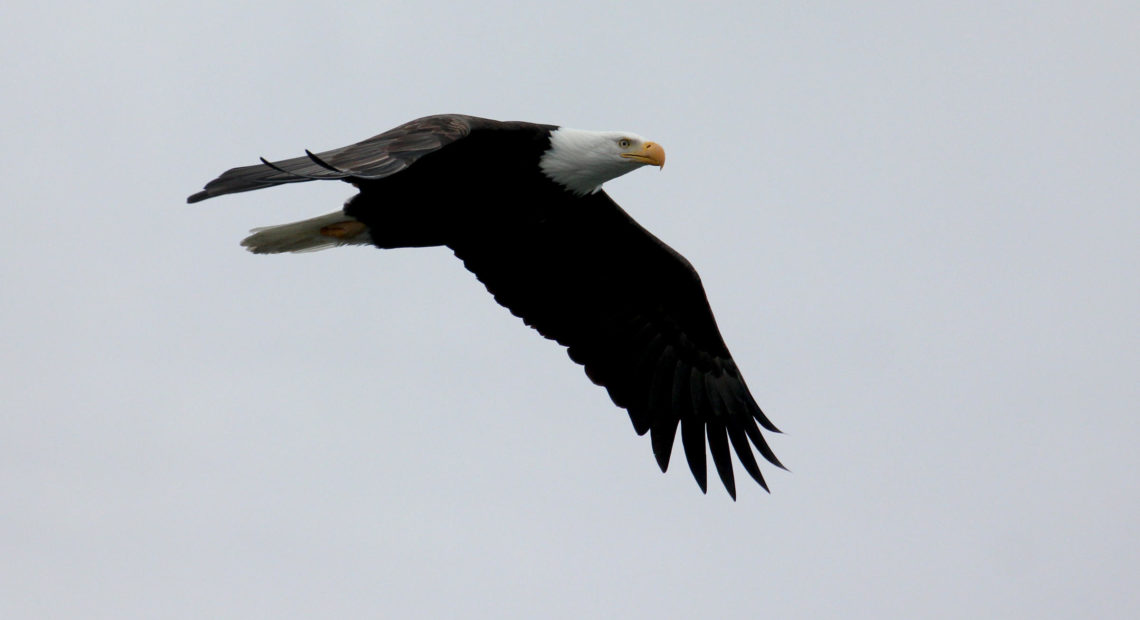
pixel 521 205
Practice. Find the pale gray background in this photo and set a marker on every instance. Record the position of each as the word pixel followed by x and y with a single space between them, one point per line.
pixel 917 225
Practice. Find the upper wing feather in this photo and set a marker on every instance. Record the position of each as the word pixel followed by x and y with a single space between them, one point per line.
pixel 376 157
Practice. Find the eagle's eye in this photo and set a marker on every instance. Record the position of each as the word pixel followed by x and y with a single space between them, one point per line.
pixel 624 143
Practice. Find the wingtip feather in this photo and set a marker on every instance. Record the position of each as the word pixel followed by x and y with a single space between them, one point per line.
pixel 693 442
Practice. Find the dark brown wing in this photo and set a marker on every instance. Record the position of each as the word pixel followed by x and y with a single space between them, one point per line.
pixel 634 313
pixel 376 157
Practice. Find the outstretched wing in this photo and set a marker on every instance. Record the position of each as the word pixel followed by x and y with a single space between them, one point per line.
pixel 634 313
pixel 376 157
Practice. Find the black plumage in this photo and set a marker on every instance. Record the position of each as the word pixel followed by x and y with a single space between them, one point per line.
pixel 575 267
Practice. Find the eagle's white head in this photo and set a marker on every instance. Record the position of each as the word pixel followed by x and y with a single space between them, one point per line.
pixel 581 161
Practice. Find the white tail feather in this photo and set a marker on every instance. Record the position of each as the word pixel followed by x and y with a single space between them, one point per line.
pixel 309 235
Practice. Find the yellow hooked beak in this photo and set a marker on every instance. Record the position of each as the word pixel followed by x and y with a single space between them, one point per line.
pixel 651 153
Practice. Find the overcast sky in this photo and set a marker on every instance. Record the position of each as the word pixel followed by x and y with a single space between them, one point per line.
pixel 917 226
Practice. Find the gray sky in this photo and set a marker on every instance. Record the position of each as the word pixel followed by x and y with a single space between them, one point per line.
pixel 917 226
